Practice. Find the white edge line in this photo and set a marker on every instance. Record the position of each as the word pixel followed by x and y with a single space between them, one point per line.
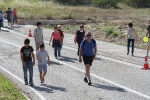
pixel 128 89
pixel 42 98
pixel 108 58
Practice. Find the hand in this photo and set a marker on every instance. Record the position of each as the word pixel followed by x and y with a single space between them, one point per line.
pixel 38 58
pixel 49 44
pixel 24 64
pixel 80 60
pixel 33 63
pixel 48 63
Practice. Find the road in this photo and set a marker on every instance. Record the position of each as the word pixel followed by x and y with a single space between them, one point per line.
pixel 115 76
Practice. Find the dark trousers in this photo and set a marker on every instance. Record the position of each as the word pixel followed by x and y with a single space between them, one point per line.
pixel 128 46
pixel 78 47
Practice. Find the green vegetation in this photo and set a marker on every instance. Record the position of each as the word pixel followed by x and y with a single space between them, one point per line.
pixel 8 91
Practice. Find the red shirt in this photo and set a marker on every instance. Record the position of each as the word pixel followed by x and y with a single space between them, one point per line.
pixel 56 35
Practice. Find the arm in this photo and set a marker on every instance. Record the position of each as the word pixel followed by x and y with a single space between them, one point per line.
pixel 50 40
pixel 80 53
pixel 147 33
pixel 75 39
pixel 33 56
pixel 95 52
pixel 48 60
pixel 23 63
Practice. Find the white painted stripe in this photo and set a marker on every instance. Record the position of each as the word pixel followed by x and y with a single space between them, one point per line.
pixel 37 93
pixel 104 57
pixel 98 77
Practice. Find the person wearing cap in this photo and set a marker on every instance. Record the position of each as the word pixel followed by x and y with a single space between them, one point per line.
pixel 38 35
pixel 80 35
pixel 61 37
pixel 88 50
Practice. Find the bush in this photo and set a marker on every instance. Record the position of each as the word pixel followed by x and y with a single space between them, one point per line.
pixel 73 2
pixel 137 3
pixel 105 3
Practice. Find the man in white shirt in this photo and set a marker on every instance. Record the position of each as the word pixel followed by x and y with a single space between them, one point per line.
pixel 38 35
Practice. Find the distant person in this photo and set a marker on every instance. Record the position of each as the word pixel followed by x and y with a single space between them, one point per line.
pixel 62 38
pixel 28 61
pixel 1 21
pixel 131 35
pixel 9 15
pixel 56 41
pixel 38 35
pixel 42 54
pixel 14 16
pixel 1 11
pixel 80 34
pixel 148 35
pixel 88 50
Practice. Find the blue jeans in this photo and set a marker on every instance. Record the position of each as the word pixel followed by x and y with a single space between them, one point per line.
pixel 56 48
pixel 29 66
pixel 128 45
pixel 59 48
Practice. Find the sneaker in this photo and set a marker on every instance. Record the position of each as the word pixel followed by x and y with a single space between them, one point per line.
pixel 85 80
pixel 89 82
pixel 26 83
pixel 31 84
pixel 43 80
pixel 55 57
pixel 127 53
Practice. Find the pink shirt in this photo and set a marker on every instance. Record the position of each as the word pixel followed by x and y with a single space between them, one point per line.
pixel 15 13
pixel 56 35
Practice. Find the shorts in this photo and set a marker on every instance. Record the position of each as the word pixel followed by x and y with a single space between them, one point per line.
pixel 42 68
pixel 9 20
pixel 148 43
pixel 88 59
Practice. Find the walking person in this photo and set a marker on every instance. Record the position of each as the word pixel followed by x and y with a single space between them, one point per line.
pixel 9 16
pixel 56 41
pixel 28 61
pixel 131 35
pixel 15 16
pixel 61 41
pixel 41 55
pixel 148 35
pixel 1 11
pixel 1 21
pixel 80 35
pixel 88 50
pixel 38 35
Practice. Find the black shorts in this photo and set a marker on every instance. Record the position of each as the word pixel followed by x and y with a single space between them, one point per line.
pixel 88 59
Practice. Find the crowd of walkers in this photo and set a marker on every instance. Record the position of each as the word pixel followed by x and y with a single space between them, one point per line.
pixel 11 17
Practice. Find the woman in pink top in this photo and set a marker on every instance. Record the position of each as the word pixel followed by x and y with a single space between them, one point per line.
pixel 14 16
pixel 56 41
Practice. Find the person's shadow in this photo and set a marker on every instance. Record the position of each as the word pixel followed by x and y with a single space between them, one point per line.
pixel 112 88
pixel 68 59
pixel 48 88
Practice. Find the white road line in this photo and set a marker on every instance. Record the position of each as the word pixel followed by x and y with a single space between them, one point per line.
pixel 38 94
pixel 98 77
pixel 104 57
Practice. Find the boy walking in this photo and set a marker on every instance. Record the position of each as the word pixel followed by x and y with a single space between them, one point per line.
pixel 42 54
pixel 28 61
pixel 38 35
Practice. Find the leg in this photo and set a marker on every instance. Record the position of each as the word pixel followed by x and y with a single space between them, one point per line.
pixel 37 46
pixel 41 78
pixel 30 67
pixel 55 49
pixel 59 49
pixel 133 46
pixel 25 75
pixel 128 46
pixel 78 47
pixel 87 68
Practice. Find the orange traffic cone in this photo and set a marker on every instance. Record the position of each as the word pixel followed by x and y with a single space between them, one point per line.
pixel 146 66
pixel 30 35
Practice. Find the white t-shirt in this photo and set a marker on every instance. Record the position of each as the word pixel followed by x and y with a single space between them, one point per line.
pixel 131 33
pixel 38 33
pixel 42 56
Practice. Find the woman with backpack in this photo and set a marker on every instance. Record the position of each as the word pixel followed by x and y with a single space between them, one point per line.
pixel 88 50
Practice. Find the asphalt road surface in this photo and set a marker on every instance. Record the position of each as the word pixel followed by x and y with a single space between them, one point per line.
pixel 114 75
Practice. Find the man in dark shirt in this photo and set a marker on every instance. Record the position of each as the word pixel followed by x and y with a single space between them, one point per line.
pixel 80 34
pixel 9 15
pixel 28 61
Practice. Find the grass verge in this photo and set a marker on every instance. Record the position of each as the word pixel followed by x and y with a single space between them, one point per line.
pixel 8 90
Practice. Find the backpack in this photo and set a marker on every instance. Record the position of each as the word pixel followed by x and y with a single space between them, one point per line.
pixel 85 41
